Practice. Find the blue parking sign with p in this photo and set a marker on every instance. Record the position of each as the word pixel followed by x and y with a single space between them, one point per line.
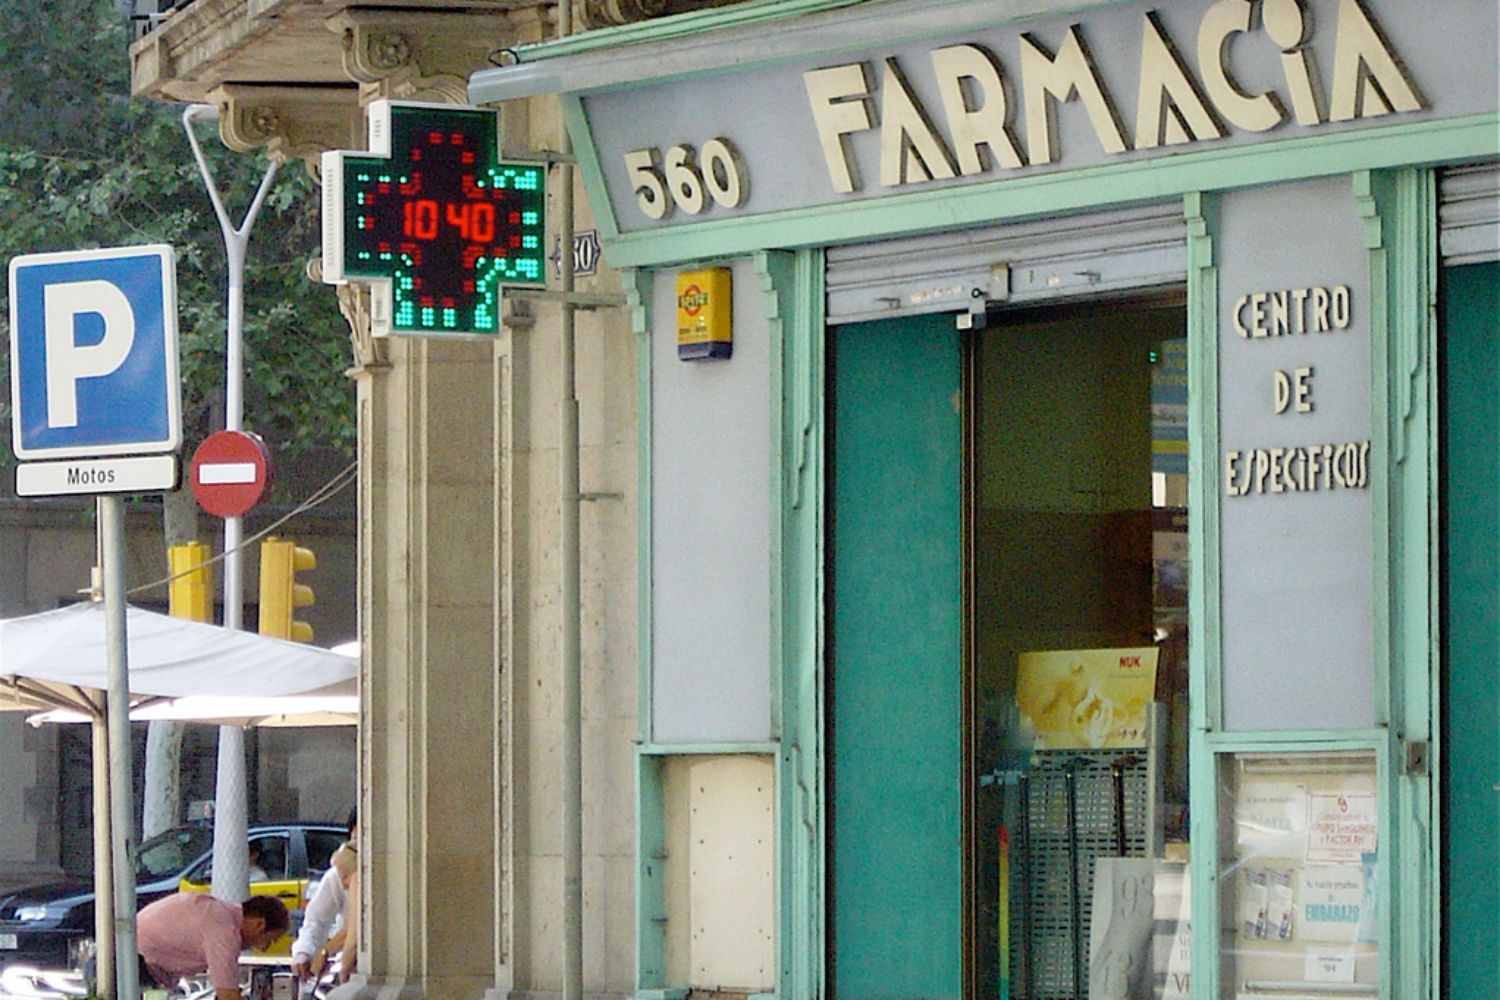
pixel 93 347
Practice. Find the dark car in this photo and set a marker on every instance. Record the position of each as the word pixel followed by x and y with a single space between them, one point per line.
pixel 46 925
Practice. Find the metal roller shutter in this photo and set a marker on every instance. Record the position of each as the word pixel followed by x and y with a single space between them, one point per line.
pixel 1469 214
pixel 1113 251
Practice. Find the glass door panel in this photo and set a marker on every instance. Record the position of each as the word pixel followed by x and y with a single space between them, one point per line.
pixel 1076 691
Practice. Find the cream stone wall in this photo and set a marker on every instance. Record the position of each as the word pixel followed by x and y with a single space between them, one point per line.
pixel 606 388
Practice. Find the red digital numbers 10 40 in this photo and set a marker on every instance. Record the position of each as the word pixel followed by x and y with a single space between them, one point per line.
pixel 474 220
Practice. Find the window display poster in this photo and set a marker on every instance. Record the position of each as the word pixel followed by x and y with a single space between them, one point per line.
pixel 1341 826
pixel 1367 928
pixel 1086 698
pixel 1331 901
pixel 1300 875
pixel 1253 903
pixel 1270 818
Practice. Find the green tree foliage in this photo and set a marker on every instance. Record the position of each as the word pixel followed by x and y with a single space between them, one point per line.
pixel 83 165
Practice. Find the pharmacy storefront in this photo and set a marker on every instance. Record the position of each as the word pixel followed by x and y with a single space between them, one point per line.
pixel 1069 453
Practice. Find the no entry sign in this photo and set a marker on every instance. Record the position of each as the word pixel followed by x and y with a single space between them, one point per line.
pixel 231 473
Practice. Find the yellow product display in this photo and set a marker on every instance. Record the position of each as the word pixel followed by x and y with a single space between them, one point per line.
pixel 1086 698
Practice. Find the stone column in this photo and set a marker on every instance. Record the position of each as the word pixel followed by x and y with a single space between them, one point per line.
pixel 431 556
pixel 434 556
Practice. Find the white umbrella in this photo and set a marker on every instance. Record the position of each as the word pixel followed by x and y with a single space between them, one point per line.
pixel 287 710
pixel 58 662
pixel 58 659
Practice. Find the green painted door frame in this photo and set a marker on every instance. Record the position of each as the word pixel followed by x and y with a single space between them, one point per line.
pixel 790 284
pixel 1399 205
pixel 1391 165
pixel 1399 211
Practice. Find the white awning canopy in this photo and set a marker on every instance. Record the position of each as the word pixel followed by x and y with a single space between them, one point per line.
pixel 54 664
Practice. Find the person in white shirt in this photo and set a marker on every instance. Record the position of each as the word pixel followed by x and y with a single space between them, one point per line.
pixel 256 872
pixel 322 924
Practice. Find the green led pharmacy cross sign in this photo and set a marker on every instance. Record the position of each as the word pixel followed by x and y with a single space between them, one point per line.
pixel 433 220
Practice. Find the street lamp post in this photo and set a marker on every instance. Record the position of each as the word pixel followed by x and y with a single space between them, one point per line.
pixel 231 871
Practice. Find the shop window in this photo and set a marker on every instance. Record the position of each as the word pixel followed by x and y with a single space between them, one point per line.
pixel 1298 875
pixel 1077 688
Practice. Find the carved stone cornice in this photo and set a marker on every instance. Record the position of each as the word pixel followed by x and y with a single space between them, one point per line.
pixel 167 62
pixel 607 13
pixel 370 353
pixel 289 122
pixel 426 55
pixel 600 13
pixel 203 44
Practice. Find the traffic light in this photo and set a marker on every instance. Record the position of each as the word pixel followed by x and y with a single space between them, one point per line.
pixel 280 593
pixel 191 592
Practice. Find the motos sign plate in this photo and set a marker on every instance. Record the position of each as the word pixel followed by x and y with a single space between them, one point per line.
pixel 93 340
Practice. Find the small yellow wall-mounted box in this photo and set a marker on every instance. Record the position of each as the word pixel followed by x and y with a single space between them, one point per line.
pixel 704 326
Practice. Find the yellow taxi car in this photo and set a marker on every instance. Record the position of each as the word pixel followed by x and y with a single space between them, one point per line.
pixel 285 861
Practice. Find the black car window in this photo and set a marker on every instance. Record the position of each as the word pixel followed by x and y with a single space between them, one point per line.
pixel 168 853
pixel 320 847
pixel 271 860
pixel 269 855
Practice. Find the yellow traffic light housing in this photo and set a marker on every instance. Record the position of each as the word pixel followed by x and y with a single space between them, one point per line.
pixel 280 593
pixel 191 592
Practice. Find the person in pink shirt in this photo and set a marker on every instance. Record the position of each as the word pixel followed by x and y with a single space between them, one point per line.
pixel 190 932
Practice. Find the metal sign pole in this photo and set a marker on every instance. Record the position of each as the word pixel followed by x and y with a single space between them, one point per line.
pixel 122 823
pixel 104 899
pixel 572 664
pixel 104 876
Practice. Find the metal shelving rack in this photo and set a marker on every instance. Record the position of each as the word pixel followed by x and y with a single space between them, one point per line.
pixel 1064 830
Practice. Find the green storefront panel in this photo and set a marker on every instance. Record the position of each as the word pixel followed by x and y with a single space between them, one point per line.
pixel 1471 709
pixel 896 644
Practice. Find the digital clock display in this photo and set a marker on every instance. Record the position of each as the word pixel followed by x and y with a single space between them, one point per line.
pixel 434 214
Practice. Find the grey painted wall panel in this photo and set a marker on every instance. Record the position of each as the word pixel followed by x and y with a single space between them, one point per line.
pixel 1297 578
pixel 710 525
